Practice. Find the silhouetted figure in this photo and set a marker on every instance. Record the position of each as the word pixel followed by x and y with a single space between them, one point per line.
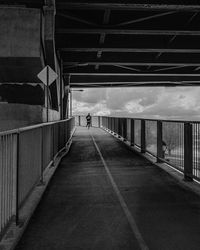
pixel 164 148
pixel 88 118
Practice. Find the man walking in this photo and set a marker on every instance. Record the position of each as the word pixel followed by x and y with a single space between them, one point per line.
pixel 88 118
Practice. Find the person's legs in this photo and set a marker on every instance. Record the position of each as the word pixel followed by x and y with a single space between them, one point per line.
pixel 89 124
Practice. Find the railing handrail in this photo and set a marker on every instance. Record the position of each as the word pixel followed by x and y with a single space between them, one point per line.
pixel 26 128
pixel 146 119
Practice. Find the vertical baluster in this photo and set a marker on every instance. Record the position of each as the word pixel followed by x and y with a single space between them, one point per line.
pixel 160 152
pixel 132 132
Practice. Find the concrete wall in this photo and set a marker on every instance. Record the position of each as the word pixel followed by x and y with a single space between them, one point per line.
pixel 53 115
pixel 19 115
pixel 21 53
pixel 19 32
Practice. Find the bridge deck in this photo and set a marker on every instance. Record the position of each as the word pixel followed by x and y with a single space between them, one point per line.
pixel 104 196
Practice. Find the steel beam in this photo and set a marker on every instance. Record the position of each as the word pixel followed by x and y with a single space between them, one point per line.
pixel 125 6
pixel 133 63
pixel 132 84
pixel 130 50
pixel 138 20
pixel 129 32
pixel 77 19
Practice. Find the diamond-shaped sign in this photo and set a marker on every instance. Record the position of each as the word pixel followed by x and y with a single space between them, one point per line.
pixel 47 75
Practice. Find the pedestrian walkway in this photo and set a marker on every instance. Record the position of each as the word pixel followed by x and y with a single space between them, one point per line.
pixel 103 196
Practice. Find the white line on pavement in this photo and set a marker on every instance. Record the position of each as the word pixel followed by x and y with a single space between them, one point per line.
pixel 128 214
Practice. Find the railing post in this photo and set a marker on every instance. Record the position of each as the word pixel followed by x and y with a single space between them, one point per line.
pixel 17 183
pixel 115 128
pixel 119 127
pixel 99 121
pixel 124 128
pixel 160 152
pixel 143 137
pixel 188 161
pixel 79 120
pixel 132 132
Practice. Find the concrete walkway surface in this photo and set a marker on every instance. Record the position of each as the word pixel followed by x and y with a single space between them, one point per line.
pixel 103 196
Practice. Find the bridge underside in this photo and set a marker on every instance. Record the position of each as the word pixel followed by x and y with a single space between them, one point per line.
pixel 114 44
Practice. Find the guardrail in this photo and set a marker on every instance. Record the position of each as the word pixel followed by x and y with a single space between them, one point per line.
pixel 174 142
pixel 25 154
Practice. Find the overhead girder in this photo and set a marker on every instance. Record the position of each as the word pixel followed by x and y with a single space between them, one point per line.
pixel 157 44
pixel 128 50
pixel 132 58
pixel 110 37
pixel 129 69
pixel 167 5
pixel 90 80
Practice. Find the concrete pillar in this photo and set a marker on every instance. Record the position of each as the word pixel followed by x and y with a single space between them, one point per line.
pixel 26 46
pixel 49 31
pixel 49 11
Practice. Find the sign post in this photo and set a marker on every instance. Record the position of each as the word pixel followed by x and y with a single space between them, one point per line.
pixel 47 76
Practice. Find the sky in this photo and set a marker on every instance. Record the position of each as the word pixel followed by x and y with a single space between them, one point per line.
pixel 182 103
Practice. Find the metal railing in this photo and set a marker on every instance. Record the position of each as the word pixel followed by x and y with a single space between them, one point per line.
pixel 175 142
pixel 25 154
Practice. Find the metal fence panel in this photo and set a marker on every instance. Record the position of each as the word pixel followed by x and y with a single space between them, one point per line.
pixel 151 136
pixel 30 148
pixel 24 154
pixel 173 141
pixel 47 146
pixel 137 133
pixel 196 150
pixel 8 163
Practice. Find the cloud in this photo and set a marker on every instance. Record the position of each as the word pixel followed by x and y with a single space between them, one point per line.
pixel 155 102
pixel 91 96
